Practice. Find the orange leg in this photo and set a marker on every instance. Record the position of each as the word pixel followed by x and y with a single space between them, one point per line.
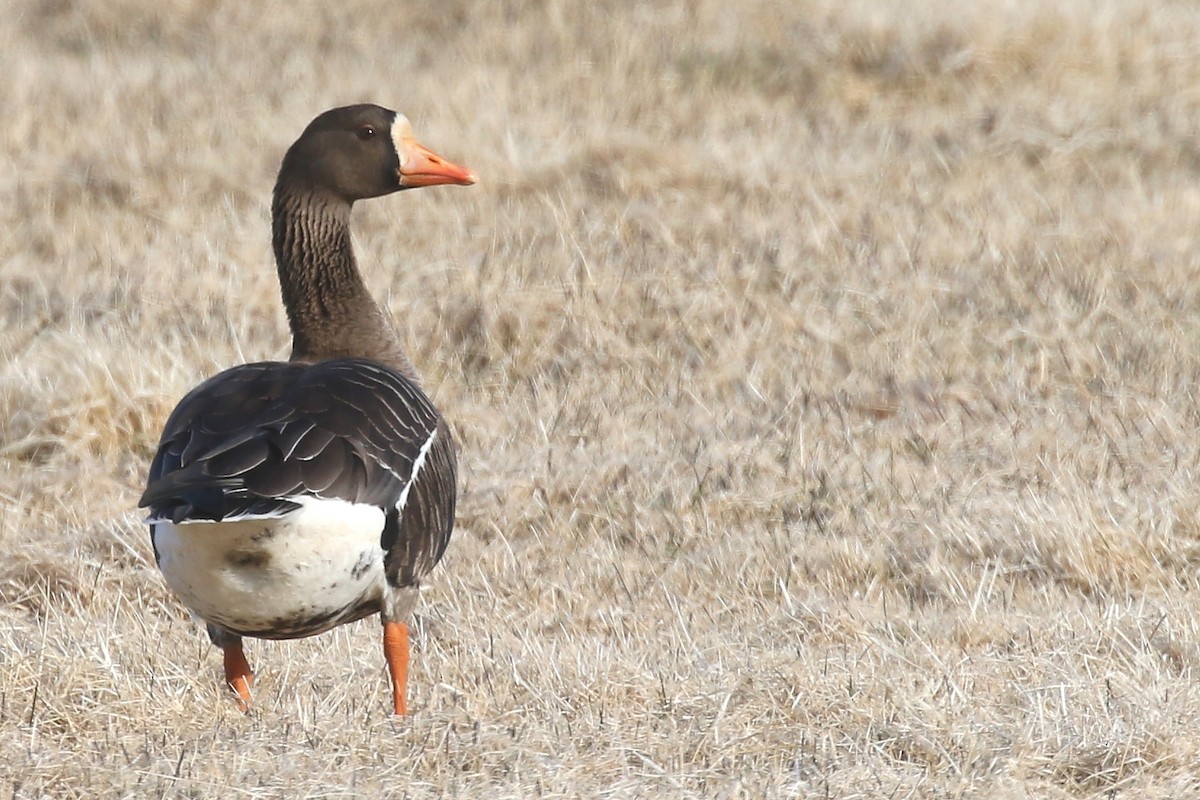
pixel 238 674
pixel 395 650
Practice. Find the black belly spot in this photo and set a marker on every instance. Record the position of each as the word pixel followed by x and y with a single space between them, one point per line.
pixel 249 559
pixel 365 559
pixel 268 532
pixel 306 622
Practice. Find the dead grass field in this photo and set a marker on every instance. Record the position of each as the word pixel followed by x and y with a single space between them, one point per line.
pixel 825 374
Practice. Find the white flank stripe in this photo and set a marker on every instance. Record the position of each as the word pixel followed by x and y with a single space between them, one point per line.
pixel 417 464
pixel 280 514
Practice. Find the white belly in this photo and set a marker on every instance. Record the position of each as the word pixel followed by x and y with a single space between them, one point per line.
pixel 296 575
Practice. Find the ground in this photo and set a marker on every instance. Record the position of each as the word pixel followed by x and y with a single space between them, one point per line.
pixel 824 374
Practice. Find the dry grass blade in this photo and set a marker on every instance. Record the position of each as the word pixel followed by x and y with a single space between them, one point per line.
pixel 825 374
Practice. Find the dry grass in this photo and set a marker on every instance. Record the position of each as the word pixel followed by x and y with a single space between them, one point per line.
pixel 825 374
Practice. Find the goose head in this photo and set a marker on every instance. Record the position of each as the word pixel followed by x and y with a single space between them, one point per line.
pixel 363 151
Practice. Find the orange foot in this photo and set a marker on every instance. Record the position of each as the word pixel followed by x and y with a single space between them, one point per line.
pixel 395 650
pixel 238 674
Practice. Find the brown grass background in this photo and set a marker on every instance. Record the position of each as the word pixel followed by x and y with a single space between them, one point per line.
pixel 824 371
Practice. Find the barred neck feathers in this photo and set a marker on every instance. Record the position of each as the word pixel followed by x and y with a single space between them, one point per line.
pixel 329 309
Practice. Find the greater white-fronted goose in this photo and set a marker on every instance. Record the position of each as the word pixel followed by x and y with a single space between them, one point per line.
pixel 287 498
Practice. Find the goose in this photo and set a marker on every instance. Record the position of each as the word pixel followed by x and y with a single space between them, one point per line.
pixel 289 497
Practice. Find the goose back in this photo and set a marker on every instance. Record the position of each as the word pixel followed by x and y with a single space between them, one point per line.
pixel 251 442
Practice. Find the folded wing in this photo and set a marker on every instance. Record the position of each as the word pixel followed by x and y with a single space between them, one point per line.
pixel 248 442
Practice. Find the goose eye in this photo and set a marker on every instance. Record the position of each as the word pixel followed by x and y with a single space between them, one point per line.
pixel 366 132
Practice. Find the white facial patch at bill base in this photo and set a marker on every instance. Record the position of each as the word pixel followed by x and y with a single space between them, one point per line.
pixel 402 137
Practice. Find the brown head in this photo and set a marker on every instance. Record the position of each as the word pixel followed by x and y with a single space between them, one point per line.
pixel 345 154
pixel 363 151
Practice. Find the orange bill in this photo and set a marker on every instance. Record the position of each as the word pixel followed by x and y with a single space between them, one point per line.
pixel 420 166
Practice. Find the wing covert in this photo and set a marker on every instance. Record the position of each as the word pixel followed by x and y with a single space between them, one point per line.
pixel 247 439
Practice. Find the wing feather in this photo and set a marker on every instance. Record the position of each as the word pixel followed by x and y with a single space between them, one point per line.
pixel 247 440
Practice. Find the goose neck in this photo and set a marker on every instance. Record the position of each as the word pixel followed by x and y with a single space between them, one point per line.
pixel 330 311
